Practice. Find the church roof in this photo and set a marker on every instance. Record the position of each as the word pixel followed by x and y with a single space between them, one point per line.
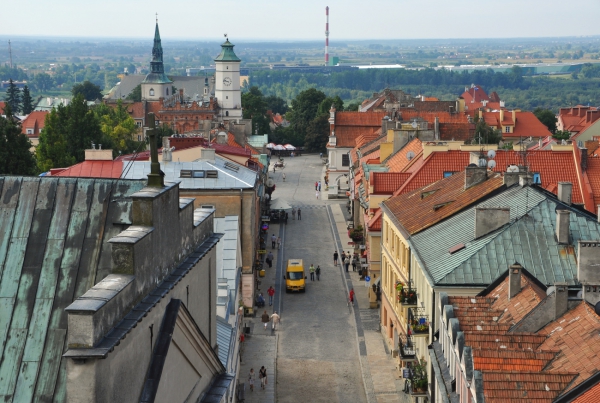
pixel 157 69
pixel 227 53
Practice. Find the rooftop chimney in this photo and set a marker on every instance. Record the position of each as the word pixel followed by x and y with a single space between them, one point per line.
pixel 207 154
pixel 525 179
pixel 562 226
pixel 561 299
pixel 565 189
pixel 514 280
pixel 510 178
pixel 588 263
pixel 490 219
pixel 474 175
pixel 98 155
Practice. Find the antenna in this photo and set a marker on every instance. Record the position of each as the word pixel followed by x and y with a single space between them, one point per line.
pixel 326 35
pixel 491 164
pixel 491 154
pixel 10 54
pixel 410 155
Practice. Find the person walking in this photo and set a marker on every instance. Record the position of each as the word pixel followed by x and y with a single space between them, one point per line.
pixel 271 292
pixel 265 319
pixel 354 260
pixel 335 258
pixel 311 270
pixel 343 256
pixel 273 241
pixel 293 213
pixel 274 167
pixel 283 176
pixel 319 189
pixel 279 238
pixel 262 375
pixel 276 319
pixel 351 296
pixel 251 378
pixel 318 272
pixel 317 194
pixel 317 185
pixel 269 259
pixel 299 214
pixel 347 263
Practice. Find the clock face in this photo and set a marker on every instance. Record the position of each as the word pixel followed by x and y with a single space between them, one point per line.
pixel 227 81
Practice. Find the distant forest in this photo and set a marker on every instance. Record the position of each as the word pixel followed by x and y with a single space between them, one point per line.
pixel 523 92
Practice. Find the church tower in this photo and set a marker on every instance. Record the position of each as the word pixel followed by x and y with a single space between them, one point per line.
pixel 227 85
pixel 156 85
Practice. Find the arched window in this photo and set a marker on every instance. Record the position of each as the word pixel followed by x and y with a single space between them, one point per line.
pixel 151 92
pixel 167 90
pixel 226 113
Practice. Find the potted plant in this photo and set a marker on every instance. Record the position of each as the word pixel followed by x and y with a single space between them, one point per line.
pixel 419 326
pixel 356 234
pixel 419 377
pixel 408 297
pixel 399 286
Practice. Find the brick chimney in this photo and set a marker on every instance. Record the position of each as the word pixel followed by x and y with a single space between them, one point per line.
pixel 514 280
pixel 562 226
pixel 510 178
pixel 561 299
pixel 525 179
pixel 565 190
pixel 474 175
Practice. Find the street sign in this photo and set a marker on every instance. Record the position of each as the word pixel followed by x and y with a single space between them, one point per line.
pixel 367 278
pixel 363 247
pixel 262 252
pixel 405 373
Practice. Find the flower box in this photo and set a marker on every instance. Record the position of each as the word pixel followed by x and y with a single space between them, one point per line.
pixel 407 298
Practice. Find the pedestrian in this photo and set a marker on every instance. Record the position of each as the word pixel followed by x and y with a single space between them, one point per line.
pixel 299 214
pixel 354 261
pixel 262 375
pixel 279 238
pixel 293 213
pixel 286 217
pixel 311 270
pixel 318 272
pixel 269 259
pixel 317 194
pixel 251 378
pixel 347 263
pixel 335 258
pixel 276 319
pixel 319 189
pixel 265 319
pixel 317 185
pixel 274 167
pixel 343 256
pixel 351 296
pixel 320 155
pixel 271 292
pixel 283 176
pixel 273 241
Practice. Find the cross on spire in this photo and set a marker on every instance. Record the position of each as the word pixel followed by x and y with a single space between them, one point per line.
pixel 157 18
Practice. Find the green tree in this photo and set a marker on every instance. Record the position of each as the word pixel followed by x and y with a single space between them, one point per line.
pixel 42 82
pixel 89 90
pixel 304 110
pixel 118 128
pixel 562 135
pixel 13 97
pixel 547 117
pixel 317 134
pixel 27 101
pixel 15 155
pixel 326 104
pixel 136 94
pixel 353 106
pixel 254 107
pixel 67 132
pixel 485 134
pixel 276 104
pixel 163 130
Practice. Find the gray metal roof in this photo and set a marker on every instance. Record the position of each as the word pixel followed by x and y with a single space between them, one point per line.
pixel 529 239
pixel 53 247
pixel 191 85
pixel 228 253
pixel 224 332
pixel 227 178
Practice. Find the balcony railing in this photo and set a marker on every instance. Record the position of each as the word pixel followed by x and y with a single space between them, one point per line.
pixel 418 322
pixel 407 349
pixel 407 298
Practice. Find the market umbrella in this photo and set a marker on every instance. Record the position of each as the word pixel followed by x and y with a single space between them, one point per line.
pixel 270 145
pixel 279 147
pixel 289 147
pixel 279 204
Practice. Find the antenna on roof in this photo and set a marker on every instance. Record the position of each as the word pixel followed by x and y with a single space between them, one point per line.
pixel 410 155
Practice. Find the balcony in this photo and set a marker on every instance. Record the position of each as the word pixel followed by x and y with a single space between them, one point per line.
pixel 406 349
pixel 419 322
pixel 418 379
pixel 407 298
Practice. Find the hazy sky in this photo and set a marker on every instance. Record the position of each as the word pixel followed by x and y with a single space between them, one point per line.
pixel 304 19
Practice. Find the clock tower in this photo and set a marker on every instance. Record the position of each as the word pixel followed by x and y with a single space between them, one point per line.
pixel 227 82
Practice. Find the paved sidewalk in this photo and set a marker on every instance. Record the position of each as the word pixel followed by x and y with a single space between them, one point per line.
pixel 380 376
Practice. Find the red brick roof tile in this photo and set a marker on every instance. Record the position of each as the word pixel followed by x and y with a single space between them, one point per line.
pixel 398 161
pixel 387 182
pixel 526 124
pixel 526 387
pixel 511 360
pixel 593 174
pixel 350 125
pixel 375 223
pixel 521 304
pixel 36 121
pixel 591 396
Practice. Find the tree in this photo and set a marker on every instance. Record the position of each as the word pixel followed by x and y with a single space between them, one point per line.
pixel 304 110
pixel 317 134
pixel 254 107
pixel 353 106
pixel 562 135
pixel 27 101
pixel 326 104
pixel 163 130
pixel 15 155
pixel 42 82
pixel 67 132
pixel 118 128
pixel 89 90
pixel 485 134
pixel 13 97
pixel 547 117
pixel 276 104
pixel 136 94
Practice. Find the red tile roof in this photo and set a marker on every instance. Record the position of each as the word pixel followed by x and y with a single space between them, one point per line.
pixel 457 131
pixel 578 118
pixel 374 223
pixel 350 125
pixel 2 105
pixel 35 120
pixel 593 174
pixel 526 124
pixel 387 182
pixel 521 304
pixel 511 360
pixel 231 141
pixel 590 396
pixel 398 161
pixel 94 169
pixel 422 208
pixel 526 387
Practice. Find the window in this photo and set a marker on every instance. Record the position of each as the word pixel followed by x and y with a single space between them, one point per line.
pixel 226 113
pixel 537 179
pixel 210 206
pixel 345 160
pixel 167 91
pixel 29 131
pixel 226 97
pixel 205 91
pixel 138 124
pixel 151 92
pixel 507 129
pixel 139 137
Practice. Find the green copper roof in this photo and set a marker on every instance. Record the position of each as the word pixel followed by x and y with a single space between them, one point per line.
pixel 227 53
pixel 157 69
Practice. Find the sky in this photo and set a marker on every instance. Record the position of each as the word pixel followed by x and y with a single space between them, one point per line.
pixel 285 20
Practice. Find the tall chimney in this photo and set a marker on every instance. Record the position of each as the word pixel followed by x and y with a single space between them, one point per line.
pixel 565 189
pixel 514 280
pixel 489 219
pixel 525 179
pixel 562 226
pixel 561 299
pixel 474 175
pixel 588 262
pixel 327 36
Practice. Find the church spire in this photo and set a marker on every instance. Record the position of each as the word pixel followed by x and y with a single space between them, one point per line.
pixel 157 68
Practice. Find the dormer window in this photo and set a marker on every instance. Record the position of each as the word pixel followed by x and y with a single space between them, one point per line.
pixel 151 92
pixel 507 129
